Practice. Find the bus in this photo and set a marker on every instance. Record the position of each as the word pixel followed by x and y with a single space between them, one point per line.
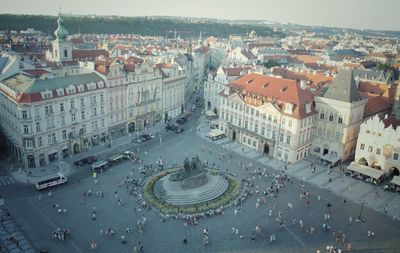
pixel 51 181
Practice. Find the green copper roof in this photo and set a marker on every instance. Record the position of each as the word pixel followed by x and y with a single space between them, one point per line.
pixel 61 33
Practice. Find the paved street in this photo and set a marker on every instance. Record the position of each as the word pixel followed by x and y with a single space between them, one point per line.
pixel 36 213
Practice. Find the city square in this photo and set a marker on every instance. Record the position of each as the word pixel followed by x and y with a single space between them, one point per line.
pixel 166 234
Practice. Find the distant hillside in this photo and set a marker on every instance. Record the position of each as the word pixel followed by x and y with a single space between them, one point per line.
pixel 123 25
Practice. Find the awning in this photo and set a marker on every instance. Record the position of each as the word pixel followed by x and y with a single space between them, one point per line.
pixel 215 133
pixel 365 170
pixel 53 151
pixel 115 157
pixel 396 180
pixel 99 164
pixel 210 114
pixel 332 158
pixel 65 147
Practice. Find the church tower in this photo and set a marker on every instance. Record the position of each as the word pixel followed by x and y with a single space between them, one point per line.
pixel 62 48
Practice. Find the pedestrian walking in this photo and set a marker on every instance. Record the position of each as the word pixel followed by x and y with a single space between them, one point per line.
pixel 350 219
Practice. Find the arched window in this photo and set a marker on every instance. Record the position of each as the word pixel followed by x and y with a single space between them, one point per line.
pixel 322 115
pixel 340 120
pixel 330 117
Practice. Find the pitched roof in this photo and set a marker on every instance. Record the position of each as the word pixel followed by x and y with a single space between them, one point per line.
pixel 88 53
pixel 283 91
pixel 343 88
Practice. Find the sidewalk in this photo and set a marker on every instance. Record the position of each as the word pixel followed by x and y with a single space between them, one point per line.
pixel 65 166
pixel 343 186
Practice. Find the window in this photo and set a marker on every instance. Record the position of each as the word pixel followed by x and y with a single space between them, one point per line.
pixel 82 102
pixel 53 138
pixel 24 115
pixel 322 115
pixel 283 121
pixel 240 122
pixel 263 131
pixel 288 139
pixel 275 119
pixel 281 137
pixel 330 117
pixel 73 117
pixel 62 120
pixel 82 114
pixel 269 118
pixel 72 104
pixel 102 109
pixel 49 139
pixel 102 123
pixel 257 113
pixel 340 120
pixel 290 123
pixel 65 53
pixel 64 134
pixel 39 141
pixel 26 129
pixel 254 143
pixel 101 98
pixel 48 110
pixel 29 143
pixel 256 128
pixel 378 151
pixel 61 107
pixel 246 124
pixel 38 127
pixel 369 148
pixel 395 156
pixel 362 146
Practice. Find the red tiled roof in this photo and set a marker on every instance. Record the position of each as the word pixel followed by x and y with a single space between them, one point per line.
pixel 392 121
pixel 36 72
pixel 282 90
pixel 375 105
pixel 91 54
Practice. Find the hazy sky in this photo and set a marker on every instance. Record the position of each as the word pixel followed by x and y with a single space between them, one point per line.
pixel 374 14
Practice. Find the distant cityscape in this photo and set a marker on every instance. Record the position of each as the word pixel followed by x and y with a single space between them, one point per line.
pixel 289 93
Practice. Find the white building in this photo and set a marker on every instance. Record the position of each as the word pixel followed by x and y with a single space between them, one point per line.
pixel 173 89
pixel 144 97
pixel 271 115
pixel 116 82
pixel 378 144
pixel 341 110
pixel 242 56
pixel 45 120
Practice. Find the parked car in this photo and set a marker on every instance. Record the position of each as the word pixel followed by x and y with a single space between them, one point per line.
pixel 193 108
pixel 181 121
pixel 179 130
pixel 128 155
pixel 142 138
pixel 188 114
pixel 79 163
pixel 197 99
pixel 89 159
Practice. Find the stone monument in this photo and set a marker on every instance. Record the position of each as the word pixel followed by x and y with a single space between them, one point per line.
pixel 192 175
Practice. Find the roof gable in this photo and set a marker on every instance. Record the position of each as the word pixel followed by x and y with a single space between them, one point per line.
pixel 343 88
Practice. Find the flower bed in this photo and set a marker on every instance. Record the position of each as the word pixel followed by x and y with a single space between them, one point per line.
pixel 229 195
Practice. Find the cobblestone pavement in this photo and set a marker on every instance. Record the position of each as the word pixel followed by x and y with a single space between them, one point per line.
pixel 38 216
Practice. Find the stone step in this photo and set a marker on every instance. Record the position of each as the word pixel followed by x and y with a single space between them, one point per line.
pixel 221 184
pixel 210 194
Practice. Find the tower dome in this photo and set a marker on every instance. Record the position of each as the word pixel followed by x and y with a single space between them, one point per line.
pixel 61 33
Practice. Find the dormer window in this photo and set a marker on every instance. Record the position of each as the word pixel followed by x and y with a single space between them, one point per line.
pixel 81 88
pixel 47 94
pixel 308 108
pixel 60 92
pixel 289 108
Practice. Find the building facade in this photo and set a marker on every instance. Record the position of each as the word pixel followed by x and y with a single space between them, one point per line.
pixel 173 90
pixel 47 120
pixel 378 144
pixel 144 97
pixel 340 114
pixel 271 115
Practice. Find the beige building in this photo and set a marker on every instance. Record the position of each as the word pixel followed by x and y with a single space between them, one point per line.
pixel 378 144
pixel 271 115
pixel 144 97
pixel 340 114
